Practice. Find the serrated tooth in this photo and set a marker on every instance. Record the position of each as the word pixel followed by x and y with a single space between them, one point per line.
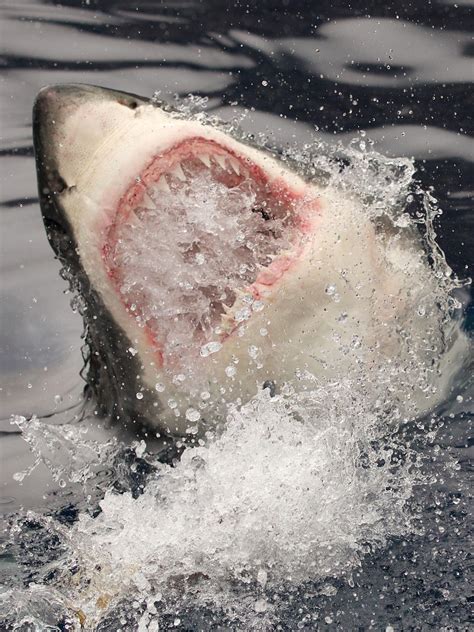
pixel 148 203
pixel 204 158
pixel 178 172
pixel 162 185
pixel 235 165
pixel 220 159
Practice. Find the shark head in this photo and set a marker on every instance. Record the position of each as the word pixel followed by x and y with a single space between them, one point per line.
pixel 208 268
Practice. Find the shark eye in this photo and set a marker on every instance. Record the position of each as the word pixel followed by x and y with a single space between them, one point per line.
pixel 129 104
pixel 56 183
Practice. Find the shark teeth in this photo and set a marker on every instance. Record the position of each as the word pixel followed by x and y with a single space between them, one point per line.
pixel 162 185
pixel 178 172
pixel 147 202
pixel 235 165
pixel 227 163
pixel 204 158
pixel 220 161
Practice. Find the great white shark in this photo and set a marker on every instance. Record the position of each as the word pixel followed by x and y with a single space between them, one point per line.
pixel 210 269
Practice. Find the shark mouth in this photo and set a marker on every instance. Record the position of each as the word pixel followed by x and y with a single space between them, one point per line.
pixel 200 239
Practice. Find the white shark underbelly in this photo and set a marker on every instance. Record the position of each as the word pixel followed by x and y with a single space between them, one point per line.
pixel 209 269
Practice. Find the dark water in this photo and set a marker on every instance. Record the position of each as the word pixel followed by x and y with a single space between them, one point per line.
pixel 400 72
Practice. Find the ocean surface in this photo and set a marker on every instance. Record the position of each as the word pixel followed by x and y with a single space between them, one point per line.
pixel 294 73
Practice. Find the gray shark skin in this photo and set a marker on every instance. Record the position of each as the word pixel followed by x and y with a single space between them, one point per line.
pixel 104 155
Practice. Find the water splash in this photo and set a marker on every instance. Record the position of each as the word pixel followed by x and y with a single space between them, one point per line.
pixel 65 450
pixel 296 487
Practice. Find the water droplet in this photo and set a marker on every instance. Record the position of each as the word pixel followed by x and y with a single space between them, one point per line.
pixel 159 387
pixel 242 314
pixel 140 448
pixel 261 605
pixel 253 351
pixel 262 577
pixel 230 371
pixel 139 395
pixel 193 415
pixel 209 348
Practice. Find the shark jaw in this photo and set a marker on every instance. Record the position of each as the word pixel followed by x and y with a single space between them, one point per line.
pixel 208 268
pixel 232 232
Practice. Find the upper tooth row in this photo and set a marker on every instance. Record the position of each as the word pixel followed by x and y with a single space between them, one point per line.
pixel 221 161
pixel 177 172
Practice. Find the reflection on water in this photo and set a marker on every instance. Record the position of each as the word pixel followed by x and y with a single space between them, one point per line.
pixel 401 77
